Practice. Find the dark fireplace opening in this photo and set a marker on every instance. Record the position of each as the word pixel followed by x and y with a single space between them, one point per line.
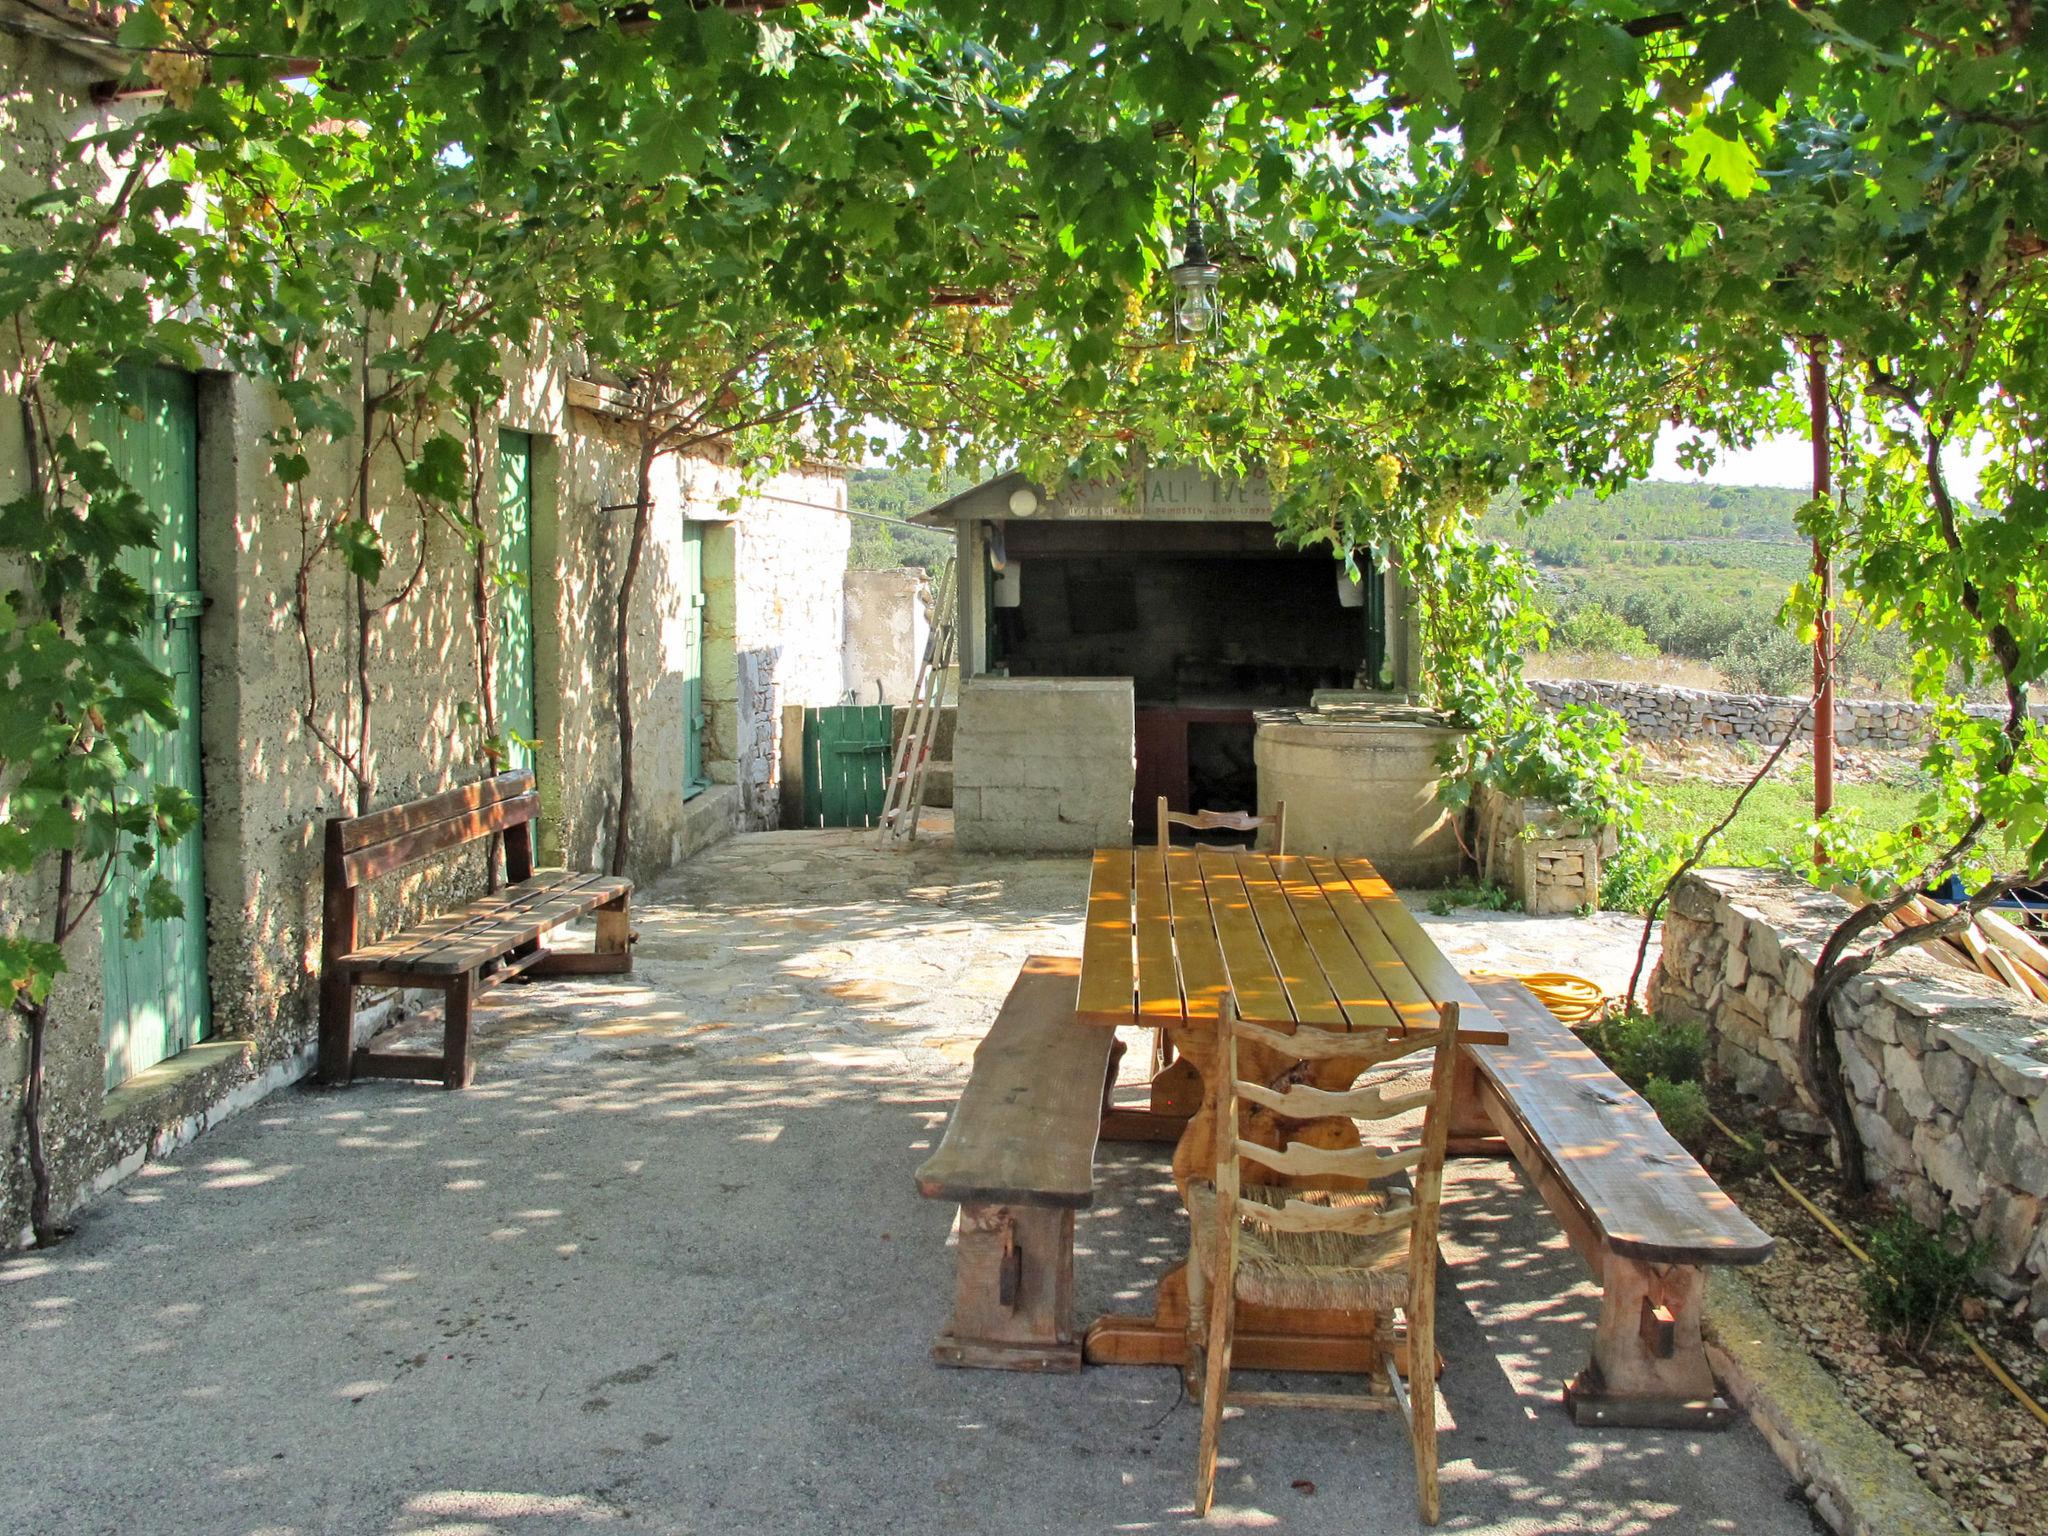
pixel 1186 629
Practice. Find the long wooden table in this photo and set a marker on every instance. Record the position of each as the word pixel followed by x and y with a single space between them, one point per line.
pixel 1294 940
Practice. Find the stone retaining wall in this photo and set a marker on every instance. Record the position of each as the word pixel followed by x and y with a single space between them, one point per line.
pixel 1656 712
pixel 1949 1071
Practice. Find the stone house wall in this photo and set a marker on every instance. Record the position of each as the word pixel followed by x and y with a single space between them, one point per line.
pixel 1948 1070
pixel 773 567
pixel 1655 712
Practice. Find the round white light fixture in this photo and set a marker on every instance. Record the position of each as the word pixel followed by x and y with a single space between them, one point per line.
pixel 1023 501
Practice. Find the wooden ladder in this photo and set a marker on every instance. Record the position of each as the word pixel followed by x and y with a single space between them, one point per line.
pixel 913 752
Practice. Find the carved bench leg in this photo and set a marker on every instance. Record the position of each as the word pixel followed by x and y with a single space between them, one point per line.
pixel 615 931
pixel 1013 1293
pixel 1472 1130
pixel 1649 1365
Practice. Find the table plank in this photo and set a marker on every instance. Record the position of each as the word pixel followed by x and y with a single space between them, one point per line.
pixel 1159 980
pixel 1254 980
pixel 1403 992
pixel 1308 990
pixel 1204 980
pixel 1106 995
pixel 1358 993
pixel 1439 978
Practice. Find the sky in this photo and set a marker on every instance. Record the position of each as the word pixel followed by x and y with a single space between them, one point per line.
pixel 1786 461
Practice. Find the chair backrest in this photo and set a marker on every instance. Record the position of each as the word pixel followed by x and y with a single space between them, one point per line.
pixel 1342 1168
pixel 1223 821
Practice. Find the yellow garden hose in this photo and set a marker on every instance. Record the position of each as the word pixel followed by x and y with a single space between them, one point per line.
pixel 1983 1355
pixel 1572 999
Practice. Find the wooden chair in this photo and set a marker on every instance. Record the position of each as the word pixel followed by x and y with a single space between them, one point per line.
pixel 1342 1236
pixel 1223 821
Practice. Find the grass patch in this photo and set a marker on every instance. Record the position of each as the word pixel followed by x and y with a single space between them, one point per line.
pixel 1774 819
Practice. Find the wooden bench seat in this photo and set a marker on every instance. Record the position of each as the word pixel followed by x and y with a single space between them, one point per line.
pixel 459 953
pixel 1637 1207
pixel 1018 1156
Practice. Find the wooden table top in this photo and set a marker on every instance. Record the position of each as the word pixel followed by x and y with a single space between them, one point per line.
pixel 1297 940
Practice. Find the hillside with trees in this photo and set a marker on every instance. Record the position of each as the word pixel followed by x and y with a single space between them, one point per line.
pixel 898 494
pixel 1682 572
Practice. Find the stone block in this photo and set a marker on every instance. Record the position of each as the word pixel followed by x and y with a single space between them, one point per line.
pixel 1948 1165
pixel 1948 1077
pixel 1735 969
pixel 1908 1087
pixel 2011 1223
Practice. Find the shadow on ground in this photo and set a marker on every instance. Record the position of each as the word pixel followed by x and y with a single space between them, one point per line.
pixel 664 1268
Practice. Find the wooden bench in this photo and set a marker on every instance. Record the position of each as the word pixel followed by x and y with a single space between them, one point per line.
pixel 458 953
pixel 1641 1213
pixel 1019 1157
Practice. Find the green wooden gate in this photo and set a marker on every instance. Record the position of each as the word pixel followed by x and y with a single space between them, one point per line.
pixel 846 764
pixel 155 982
pixel 690 583
pixel 514 637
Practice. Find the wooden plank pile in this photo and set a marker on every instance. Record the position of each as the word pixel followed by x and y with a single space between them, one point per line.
pixel 1992 945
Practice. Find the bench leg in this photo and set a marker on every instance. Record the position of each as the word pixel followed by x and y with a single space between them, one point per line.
pixel 337 1027
pixel 615 930
pixel 1649 1365
pixel 611 955
pixel 1013 1293
pixel 457 1071
pixel 1472 1131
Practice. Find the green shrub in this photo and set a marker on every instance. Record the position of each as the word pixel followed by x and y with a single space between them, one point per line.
pixel 1639 1047
pixel 1489 896
pixel 1634 875
pixel 1683 1109
pixel 1598 630
pixel 1917 1278
pixel 1765 657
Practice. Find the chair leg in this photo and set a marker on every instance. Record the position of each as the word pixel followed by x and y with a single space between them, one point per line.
pixel 1215 1387
pixel 1422 1409
pixel 457 1070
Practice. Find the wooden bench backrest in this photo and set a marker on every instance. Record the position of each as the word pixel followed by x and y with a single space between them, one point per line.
pixel 383 842
pixel 365 848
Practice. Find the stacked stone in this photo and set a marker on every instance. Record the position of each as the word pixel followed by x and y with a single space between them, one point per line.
pixel 1043 764
pixel 1547 863
pixel 1656 712
pixel 1948 1071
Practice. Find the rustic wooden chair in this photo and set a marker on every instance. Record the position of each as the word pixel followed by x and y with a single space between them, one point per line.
pixel 1344 1236
pixel 1223 821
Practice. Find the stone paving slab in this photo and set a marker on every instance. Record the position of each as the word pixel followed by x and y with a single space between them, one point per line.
pixel 663 1269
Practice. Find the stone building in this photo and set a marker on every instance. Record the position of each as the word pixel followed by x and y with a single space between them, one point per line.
pixel 735 614
pixel 1121 643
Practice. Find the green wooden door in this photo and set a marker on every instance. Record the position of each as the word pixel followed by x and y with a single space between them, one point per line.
pixel 690 579
pixel 155 981
pixel 846 764
pixel 514 604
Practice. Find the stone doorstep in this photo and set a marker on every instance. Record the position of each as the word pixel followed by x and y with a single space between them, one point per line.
pixel 1860 1484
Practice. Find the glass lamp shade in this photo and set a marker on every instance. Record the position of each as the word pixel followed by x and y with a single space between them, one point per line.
pixel 1194 305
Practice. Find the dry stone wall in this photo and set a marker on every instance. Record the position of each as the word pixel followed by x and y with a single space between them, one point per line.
pixel 1655 712
pixel 1948 1072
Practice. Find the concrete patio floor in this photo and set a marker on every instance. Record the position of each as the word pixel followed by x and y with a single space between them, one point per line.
pixel 664 1268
